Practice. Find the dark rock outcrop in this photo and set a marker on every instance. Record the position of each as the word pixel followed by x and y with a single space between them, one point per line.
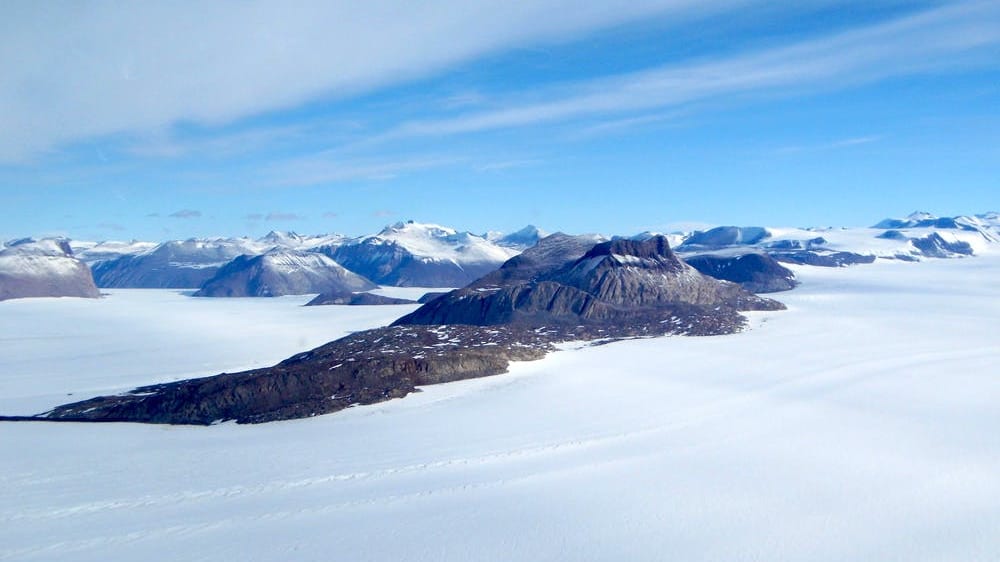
pixel 363 368
pixel 757 273
pixel 823 258
pixel 282 272
pixel 43 268
pixel 355 299
pixel 934 246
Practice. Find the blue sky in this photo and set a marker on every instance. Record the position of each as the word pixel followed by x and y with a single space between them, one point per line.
pixel 178 119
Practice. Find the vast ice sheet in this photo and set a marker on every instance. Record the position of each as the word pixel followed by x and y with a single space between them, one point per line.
pixel 861 424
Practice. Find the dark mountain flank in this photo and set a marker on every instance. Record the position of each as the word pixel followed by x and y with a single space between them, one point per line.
pixel 563 289
pixel 757 273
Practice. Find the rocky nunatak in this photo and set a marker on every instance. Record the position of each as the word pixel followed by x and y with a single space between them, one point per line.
pixel 567 288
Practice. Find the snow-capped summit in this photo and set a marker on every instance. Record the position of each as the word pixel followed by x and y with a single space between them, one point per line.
pixel 520 240
pixel 43 268
pixel 921 219
pixel 294 241
pixel 282 272
pixel 93 252
pixel 288 238
pixel 421 255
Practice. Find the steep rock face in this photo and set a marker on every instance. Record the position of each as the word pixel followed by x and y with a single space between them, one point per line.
pixel 43 268
pixel 282 272
pixel 421 255
pixel 757 273
pixel 613 282
pixel 172 265
pixel 355 299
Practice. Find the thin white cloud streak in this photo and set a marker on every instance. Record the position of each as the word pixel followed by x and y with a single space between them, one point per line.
pixel 842 143
pixel 324 168
pixel 74 70
pixel 943 39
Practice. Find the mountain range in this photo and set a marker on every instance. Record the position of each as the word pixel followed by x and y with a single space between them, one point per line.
pixel 428 255
pixel 615 289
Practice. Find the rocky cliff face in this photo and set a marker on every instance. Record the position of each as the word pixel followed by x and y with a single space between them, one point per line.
pixel 43 268
pixel 282 272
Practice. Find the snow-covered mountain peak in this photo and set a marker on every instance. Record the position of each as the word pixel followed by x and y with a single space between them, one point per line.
pixel 43 268
pixel 40 247
pixel 520 240
pixel 282 238
pixel 920 216
pixel 411 229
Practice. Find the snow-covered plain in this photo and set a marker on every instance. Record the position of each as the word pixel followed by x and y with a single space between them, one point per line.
pixel 860 424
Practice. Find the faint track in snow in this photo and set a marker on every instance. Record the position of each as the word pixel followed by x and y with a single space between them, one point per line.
pixel 815 384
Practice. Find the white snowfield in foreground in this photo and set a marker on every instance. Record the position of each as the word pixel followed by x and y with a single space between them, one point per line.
pixel 861 424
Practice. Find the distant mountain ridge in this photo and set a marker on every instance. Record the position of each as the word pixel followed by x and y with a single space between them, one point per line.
pixel 413 254
pixel 429 255
pixel 282 272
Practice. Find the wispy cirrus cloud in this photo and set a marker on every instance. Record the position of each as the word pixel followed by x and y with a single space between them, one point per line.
pixel 501 165
pixel 833 145
pixel 943 39
pixel 331 167
pixel 67 77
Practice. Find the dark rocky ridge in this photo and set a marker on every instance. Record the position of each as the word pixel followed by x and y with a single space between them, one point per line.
pixel 363 368
pixel 614 290
pixel 355 299
pixel 757 273
pixel 823 258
